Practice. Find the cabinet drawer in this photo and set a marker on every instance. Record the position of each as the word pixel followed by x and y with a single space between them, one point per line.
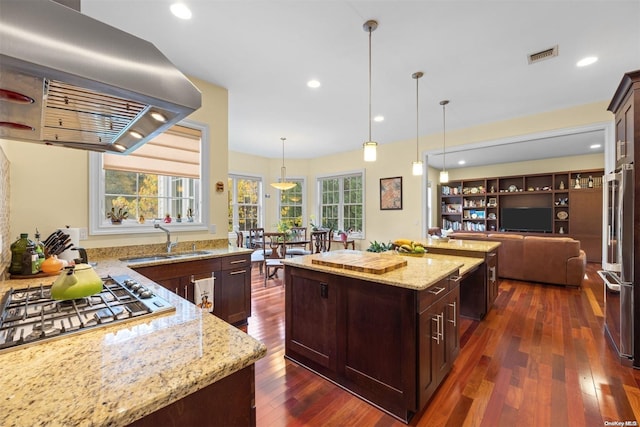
pixel 235 261
pixel 433 294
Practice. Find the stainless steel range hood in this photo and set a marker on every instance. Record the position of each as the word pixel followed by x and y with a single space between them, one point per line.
pixel 69 80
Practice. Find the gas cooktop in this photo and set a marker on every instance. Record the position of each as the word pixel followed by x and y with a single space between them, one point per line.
pixel 29 315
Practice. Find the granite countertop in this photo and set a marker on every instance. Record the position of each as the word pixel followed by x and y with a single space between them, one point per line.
pixel 116 374
pixel 461 244
pixel 419 274
pixel 162 258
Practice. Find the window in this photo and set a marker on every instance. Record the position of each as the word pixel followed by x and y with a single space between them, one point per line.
pixel 245 202
pixel 163 180
pixel 292 204
pixel 342 202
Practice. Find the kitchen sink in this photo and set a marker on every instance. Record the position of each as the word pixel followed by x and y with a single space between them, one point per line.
pixel 161 257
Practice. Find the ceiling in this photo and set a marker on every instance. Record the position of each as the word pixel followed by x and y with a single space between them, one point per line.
pixel 473 53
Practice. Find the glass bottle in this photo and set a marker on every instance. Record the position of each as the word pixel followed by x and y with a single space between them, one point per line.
pixel 18 249
pixel 39 247
pixel 29 260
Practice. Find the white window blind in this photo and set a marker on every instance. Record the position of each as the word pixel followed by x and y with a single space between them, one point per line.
pixel 173 153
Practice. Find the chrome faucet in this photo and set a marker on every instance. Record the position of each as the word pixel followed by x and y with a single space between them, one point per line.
pixel 170 244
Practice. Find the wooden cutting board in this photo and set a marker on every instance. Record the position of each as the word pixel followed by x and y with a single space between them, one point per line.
pixel 363 262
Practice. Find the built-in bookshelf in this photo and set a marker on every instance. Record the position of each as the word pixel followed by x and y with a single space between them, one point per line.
pixel 571 199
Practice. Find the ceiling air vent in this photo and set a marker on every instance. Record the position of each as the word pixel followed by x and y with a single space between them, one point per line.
pixel 543 54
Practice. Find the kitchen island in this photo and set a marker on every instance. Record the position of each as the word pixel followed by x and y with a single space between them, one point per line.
pixel 479 289
pixel 389 337
pixel 184 367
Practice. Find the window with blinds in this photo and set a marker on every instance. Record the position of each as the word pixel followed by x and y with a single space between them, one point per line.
pixel 160 181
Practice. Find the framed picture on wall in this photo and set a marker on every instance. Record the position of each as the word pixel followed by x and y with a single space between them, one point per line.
pixel 391 193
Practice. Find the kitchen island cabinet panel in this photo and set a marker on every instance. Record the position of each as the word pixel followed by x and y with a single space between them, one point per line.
pixel 378 341
pixel 373 338
pixel 311 328
pixel 438 342
pixel 228 402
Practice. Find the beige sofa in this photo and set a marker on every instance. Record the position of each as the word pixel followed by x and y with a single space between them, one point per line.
pixel 556 260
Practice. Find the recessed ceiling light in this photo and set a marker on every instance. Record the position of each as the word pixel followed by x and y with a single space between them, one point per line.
pixel 461 162
pixel 378 119
pixel 587 61
pixel 181 10
pixel 594 146
pixel 313 84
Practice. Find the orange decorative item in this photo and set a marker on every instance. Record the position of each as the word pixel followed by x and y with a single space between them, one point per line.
pixel 51 265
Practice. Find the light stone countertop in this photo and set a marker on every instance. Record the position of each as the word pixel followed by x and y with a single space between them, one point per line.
pixel 461 244
pixel 116 374
pixel 419 274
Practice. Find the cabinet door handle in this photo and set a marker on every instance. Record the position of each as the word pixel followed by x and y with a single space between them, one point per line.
pixel 324 290
pixel 438 327
pixel 453 304
pixel 436 292
pixel 241 261
pixel 176 291
pixel 237 272
pixel 186 292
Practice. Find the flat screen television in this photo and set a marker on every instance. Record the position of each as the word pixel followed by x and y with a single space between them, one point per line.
pixel 527 219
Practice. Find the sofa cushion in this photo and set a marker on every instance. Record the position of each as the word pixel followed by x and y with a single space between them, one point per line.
pixel 548 259
pixel 510 255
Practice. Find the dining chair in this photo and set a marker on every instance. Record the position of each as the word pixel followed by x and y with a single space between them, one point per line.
pixel 322 240
pixel 255 241
pixel 298 234
pixel 277 252
pixel 256 238
pixel 239 239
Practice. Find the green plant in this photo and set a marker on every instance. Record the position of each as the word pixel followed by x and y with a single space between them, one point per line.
pixel 117 216
pixel 379 247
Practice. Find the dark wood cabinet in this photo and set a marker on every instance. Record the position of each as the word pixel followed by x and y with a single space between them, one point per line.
pixel 439 340
pixel 232 291
pixel 227 402
pixel 375 340
pixel 311 319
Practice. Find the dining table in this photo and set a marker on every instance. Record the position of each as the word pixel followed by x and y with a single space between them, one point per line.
pixel 293 241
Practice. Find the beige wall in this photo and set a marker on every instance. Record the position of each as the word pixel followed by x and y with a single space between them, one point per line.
pixel 49 185
pixel 394 159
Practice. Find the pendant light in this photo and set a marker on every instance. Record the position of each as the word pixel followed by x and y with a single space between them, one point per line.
pixel 370 147
pixel 444 175
pixel 417 165
pixel 283 184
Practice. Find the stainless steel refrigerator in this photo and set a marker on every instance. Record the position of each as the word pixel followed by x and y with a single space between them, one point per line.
pixel 617 267
pixel 621 261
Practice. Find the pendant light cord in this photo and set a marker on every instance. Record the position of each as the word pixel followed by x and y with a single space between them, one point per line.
pixel 370 31
pixel 444 135
pixel 417 118
pixel 282 170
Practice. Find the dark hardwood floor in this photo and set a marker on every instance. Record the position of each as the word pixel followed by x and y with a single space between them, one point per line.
pixel 539 358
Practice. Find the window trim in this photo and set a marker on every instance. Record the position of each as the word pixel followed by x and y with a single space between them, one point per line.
pixel 96 195
pixel 261 204
pixel 318 209
pixel 305 221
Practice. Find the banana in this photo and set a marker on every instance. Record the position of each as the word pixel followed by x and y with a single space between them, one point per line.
pixel 400 242
pixel 407 247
